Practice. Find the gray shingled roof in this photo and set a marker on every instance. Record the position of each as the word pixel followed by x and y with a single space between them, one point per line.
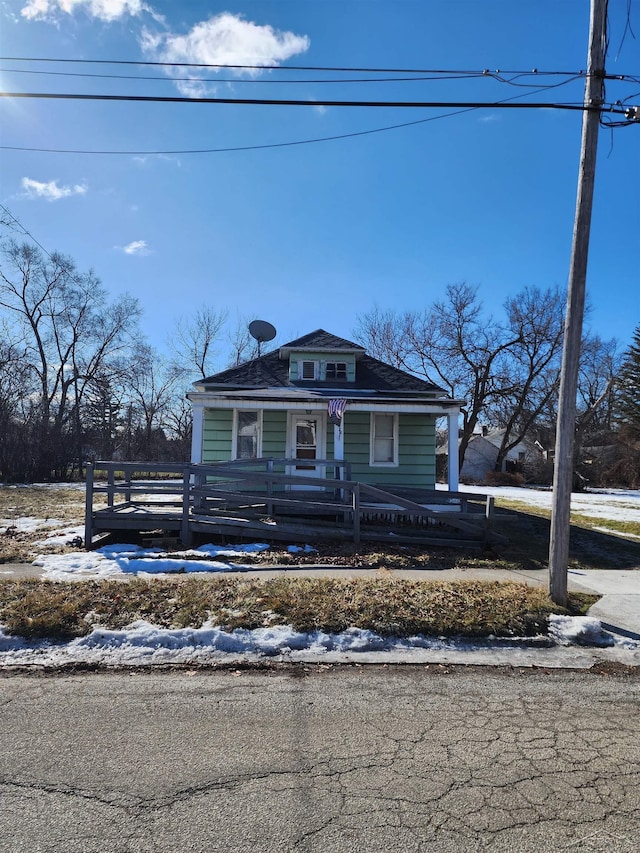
pixel 270 371
pixel 319 339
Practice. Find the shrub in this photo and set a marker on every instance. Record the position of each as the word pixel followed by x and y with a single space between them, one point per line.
pixel 503 478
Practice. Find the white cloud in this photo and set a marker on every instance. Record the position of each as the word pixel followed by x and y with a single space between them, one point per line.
pixel 223 39
pixel 104 10
pixel 50 190
pixel 136 247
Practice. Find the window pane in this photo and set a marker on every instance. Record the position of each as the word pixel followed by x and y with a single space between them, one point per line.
pixel 308 370
pixel 306 433
pixel 383 439
pixel 384 426
pixel 336 370
pixel 383 450
pixel 247 437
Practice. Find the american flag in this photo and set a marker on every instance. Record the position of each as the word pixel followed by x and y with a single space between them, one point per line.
pixel 336 410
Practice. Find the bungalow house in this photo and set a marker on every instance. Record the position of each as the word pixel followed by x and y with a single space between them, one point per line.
pixel 321 397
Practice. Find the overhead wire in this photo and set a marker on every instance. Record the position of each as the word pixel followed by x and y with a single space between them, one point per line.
pixel 332 69
pixel 438 74
pixel 433 77
pixel 292 102
pixel 26 231
pixel 264 146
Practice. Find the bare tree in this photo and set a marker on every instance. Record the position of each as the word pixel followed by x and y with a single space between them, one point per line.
pixel 452 344
pixel 69 335
pixel 151 384
pixel 535 323
pixel 196 341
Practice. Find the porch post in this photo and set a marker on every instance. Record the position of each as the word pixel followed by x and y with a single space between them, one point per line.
pixel 452 462
pixel 197 430
pixel 338 445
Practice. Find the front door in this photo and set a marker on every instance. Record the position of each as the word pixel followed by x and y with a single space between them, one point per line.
pixel 307 443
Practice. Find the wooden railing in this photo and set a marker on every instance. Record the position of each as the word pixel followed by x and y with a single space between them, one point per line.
pixel 265 486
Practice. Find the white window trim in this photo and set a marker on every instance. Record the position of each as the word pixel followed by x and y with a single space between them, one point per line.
pixel 396 441
pixel 234 432
pixel 301 365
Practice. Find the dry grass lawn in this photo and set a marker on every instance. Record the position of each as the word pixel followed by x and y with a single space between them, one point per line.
pixel 388 606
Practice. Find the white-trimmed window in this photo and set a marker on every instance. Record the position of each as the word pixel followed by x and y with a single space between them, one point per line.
pixel 384 439
pixel 247 434
pixel 308 370
pixel 336 370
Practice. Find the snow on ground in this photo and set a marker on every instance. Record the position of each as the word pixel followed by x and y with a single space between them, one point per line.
pixel 615 504
pixel 68 536
pixel 114 561
pixel 28 524
pixel 143 644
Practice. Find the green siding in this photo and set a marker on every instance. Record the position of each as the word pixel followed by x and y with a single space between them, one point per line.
pixel 216 443
pixel 416 457
pixel 274 429
pixel 416 451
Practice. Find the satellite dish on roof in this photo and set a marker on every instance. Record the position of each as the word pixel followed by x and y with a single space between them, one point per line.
pixel 261 331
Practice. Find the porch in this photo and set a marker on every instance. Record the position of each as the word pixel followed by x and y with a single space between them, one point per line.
pixel 272 499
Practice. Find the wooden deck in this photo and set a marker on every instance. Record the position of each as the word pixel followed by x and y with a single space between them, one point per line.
pixel 263 500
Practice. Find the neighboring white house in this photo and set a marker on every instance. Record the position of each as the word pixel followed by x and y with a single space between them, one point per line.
pixel 482 453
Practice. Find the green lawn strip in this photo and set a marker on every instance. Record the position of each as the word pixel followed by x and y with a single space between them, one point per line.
pixel 391 607
pixel 615 524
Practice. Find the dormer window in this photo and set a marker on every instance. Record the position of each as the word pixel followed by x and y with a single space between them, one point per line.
pixel 336 370
pixel 309 370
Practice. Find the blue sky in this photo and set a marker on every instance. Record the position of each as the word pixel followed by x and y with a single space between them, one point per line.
pixel 311 236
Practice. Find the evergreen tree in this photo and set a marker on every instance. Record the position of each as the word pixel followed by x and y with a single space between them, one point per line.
pixel 629 390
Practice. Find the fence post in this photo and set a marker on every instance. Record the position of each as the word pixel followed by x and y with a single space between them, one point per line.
pixel 185 532
pixel 488 517
pixel 88 507
pixel 355 503
pixel 269 487
pixel 111 485
pixel 196 479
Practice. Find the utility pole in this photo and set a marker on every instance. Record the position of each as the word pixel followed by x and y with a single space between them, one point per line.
pixel 565 425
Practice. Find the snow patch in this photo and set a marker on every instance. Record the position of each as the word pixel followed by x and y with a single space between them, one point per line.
pixel 63 537
pixel 120 560
pixel 28 524
pixel 143 643
pixel 579 630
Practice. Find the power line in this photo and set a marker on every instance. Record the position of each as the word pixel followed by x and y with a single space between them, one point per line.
pixel 332 69
pixel 25 231
pixel 239 80
pixel 476 75
pixel 244 147
pixel 261 146
pixel 295 102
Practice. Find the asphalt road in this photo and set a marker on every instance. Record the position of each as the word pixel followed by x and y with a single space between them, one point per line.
pixel 320 759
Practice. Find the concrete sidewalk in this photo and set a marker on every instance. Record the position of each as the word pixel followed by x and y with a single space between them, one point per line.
pixel 618 609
